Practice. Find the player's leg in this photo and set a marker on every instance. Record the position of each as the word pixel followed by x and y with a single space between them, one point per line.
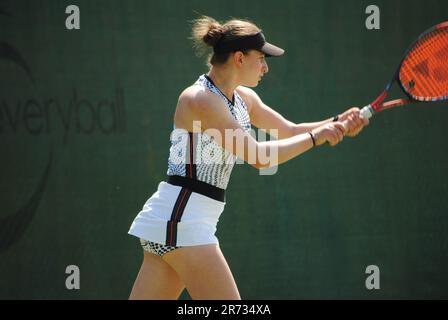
pixel 204 271
pixel 156 280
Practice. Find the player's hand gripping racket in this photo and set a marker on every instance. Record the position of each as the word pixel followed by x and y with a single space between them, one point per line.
pixel 422 74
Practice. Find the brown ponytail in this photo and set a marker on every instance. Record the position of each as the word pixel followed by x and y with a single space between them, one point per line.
pixel 206 33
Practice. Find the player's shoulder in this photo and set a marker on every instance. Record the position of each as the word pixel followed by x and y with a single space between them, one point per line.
pixel 198 98
pixel 246 92
pixel 249 96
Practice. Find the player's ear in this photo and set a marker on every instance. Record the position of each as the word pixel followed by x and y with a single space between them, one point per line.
pixel 238 58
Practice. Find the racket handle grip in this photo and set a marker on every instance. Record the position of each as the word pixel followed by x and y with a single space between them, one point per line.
pixel 367 112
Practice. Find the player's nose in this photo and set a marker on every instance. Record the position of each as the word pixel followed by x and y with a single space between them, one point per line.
pixel 265 67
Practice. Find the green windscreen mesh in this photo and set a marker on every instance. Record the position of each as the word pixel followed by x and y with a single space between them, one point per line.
pixel 85 121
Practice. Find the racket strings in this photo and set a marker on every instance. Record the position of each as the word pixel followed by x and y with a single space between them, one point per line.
pixel 422 54
pixel 438 45
pixel 421 57
pixel 424 72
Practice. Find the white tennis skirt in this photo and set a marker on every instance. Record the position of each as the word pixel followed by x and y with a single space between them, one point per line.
pixel 176 216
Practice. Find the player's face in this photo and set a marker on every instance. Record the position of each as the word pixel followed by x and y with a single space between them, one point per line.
pixel 254 68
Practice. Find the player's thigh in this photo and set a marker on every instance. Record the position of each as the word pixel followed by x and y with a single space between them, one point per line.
pixel 156 280
pixel 204 271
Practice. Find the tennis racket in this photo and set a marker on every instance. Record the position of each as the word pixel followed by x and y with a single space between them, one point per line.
pixel 422 73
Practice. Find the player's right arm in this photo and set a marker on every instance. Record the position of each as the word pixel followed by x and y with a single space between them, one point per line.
pixel 199 110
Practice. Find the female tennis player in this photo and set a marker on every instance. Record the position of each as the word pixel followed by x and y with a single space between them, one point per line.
pixel 213 117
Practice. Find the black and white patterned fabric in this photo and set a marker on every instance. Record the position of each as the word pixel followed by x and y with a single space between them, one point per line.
pixel 156 248
pixel 213 163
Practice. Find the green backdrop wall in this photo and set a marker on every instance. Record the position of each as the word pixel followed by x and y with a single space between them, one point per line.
pixel 85 118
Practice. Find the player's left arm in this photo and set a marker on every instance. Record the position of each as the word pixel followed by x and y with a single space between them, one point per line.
pixel 266 118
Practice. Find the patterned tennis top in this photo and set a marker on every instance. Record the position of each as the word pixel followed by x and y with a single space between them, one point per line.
pixel 208 162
